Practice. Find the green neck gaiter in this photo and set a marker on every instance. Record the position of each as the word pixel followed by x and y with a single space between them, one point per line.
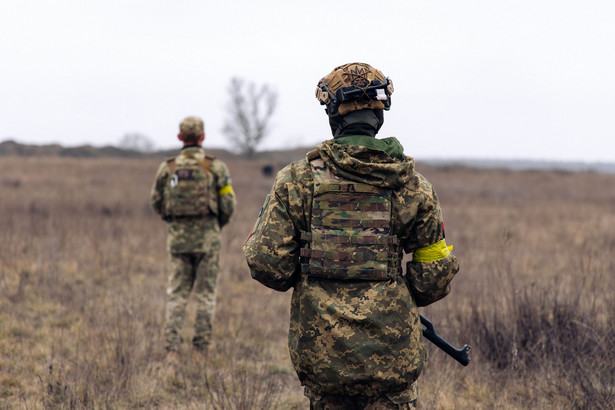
pixel 389 145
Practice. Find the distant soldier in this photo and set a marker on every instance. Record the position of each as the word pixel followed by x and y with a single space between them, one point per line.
pixel 193 194
pixel 334 228
pixel 268 170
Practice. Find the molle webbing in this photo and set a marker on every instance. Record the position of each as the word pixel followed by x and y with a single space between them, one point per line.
pixel 188 192
pixel 350 230
pixel 205 163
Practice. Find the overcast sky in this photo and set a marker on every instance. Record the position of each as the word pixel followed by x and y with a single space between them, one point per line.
pixel 473 79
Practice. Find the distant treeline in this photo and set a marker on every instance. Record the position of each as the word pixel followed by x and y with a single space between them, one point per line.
pixel 527 165
pixel 13 148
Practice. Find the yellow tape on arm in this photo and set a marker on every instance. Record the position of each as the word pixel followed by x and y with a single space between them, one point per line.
pixel 432 253
pixel 227 189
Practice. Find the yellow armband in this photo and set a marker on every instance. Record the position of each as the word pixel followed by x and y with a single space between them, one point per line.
pixel 227 189
pixel 432 253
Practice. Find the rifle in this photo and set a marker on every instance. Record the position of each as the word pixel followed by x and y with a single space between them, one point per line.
pixel 461 355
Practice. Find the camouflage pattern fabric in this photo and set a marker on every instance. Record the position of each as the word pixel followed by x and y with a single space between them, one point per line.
pixel 193 243
pixel 186 234
pixel 189 191
pixel 355 337
pixel 349 232
pixel 404 400
pixel 198 273
pixel 323 337
pixel 340 402
pixel 350 78
pixel 191 126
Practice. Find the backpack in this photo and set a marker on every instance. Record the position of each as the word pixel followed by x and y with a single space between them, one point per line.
pixel 355 316
pixel 188 191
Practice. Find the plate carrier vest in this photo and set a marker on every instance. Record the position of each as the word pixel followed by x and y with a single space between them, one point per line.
pixel 188 189
pixel 350 229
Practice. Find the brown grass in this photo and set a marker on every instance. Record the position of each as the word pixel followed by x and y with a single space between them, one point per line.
pixel 83 270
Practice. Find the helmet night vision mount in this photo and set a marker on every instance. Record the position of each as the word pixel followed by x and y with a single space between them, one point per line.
pixel 354 86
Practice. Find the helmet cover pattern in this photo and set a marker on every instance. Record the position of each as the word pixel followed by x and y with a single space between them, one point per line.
pixel 191 127
pixel 354 86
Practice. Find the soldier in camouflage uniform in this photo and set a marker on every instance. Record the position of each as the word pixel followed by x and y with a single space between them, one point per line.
pixel 193 194
pixel 334 228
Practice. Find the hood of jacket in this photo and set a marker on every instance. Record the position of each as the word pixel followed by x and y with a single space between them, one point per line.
pixel 367 160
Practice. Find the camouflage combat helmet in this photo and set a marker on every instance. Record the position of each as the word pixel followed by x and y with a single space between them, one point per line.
pixel 354 86
pixel 191 127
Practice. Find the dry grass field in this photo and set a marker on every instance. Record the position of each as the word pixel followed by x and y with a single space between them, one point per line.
pixel 83 270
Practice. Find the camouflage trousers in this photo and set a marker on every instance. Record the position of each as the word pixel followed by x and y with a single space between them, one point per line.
pixel 405 400
pixel 198 273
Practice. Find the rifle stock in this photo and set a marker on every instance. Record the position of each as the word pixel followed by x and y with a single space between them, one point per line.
pixel 461 355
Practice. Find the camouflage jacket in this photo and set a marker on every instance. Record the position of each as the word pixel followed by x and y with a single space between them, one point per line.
pixel 193 234
pixel 329 353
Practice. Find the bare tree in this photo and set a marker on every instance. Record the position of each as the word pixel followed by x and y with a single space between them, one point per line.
pixel 250 110
pixel 137 142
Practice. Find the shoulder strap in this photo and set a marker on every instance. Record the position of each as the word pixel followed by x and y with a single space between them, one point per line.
pixel 313 154
pixel 172 165
pixel 205 163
